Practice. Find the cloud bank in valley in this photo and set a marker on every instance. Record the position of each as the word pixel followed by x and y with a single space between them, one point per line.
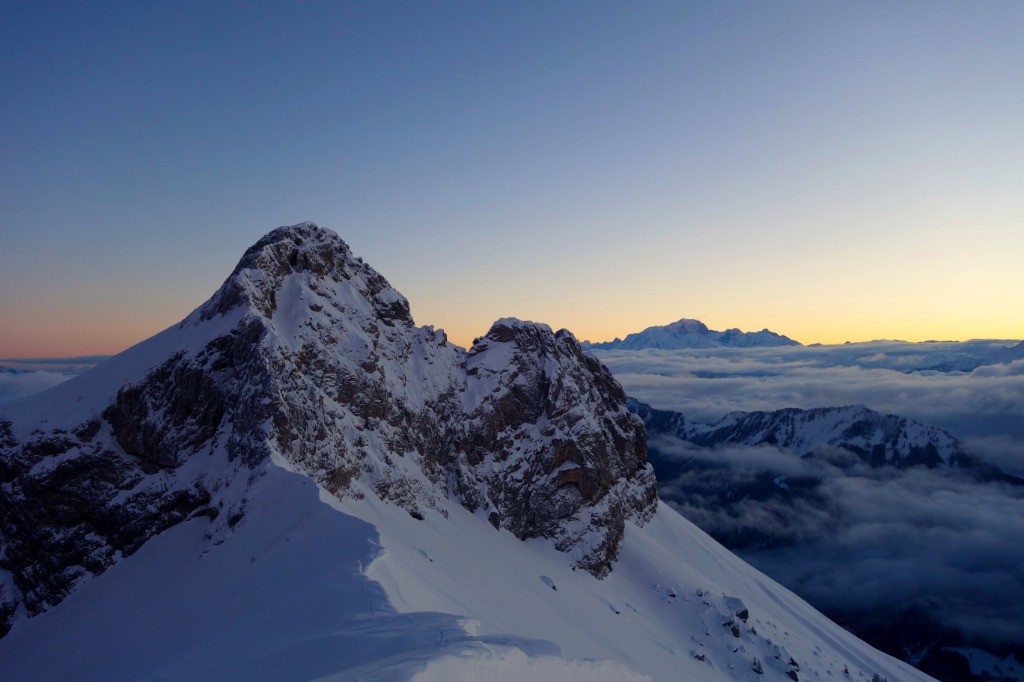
pixel 19 385
pixel 23 377
pixel 868 544
pixel 872 547
pixel 984 408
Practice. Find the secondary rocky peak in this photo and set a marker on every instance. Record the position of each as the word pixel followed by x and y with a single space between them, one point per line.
pixel 507 329
pixel 549 421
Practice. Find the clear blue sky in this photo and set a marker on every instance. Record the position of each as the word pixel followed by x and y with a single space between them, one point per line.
pixel 830 170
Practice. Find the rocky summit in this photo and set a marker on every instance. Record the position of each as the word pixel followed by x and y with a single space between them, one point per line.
pixel 308 357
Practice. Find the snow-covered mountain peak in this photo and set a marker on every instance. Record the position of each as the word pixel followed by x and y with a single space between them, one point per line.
pixel 308 357
pixel 687 333
pixel 305 257
pixel 688 326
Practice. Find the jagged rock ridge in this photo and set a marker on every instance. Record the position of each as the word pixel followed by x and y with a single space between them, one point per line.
pixel 307 355
pixel 729 499
pixel 686 333
pixel 877 438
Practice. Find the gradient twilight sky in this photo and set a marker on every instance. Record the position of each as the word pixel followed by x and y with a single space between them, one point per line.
pixel 829 170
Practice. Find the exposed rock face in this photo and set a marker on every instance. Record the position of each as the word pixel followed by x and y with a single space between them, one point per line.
pixel 72 504
pixel 306 354
pixel 548 436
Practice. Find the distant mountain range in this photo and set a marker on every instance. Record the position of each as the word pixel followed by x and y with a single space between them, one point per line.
pixel 877 439
pixel 968 362
pixel 951 356
pixel 686 333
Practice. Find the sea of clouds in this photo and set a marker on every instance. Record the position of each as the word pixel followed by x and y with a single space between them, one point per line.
pixel 984 408
pixel 19 385
pixel 23 377
pixel 867 543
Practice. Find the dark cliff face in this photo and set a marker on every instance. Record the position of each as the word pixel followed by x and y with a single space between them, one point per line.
pixel 308 355
pixel 550 440
pixel 72 504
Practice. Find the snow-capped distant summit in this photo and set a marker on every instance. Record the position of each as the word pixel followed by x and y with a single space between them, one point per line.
pixel 297 482
pixel 686 333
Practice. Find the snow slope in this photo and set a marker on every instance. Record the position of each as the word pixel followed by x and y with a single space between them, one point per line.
pixel 671 601
pixel 283 598
pixel 312 587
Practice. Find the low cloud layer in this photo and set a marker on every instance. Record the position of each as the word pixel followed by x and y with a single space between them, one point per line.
pixel 14 386
pixel 23 377
pixel 984 407
pixel 867 544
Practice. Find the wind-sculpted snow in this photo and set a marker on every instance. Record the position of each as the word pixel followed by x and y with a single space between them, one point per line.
pixel 310 587
pixel 282 598
pixel 307 353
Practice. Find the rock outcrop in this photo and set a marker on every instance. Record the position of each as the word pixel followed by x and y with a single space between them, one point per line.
pixel 549 444
pixel 308 357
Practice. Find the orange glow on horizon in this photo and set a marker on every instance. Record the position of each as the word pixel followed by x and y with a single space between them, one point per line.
pixel 832 313
pixel 49 337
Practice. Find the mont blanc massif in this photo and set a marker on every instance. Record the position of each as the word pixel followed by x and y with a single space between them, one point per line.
pixel 298 483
